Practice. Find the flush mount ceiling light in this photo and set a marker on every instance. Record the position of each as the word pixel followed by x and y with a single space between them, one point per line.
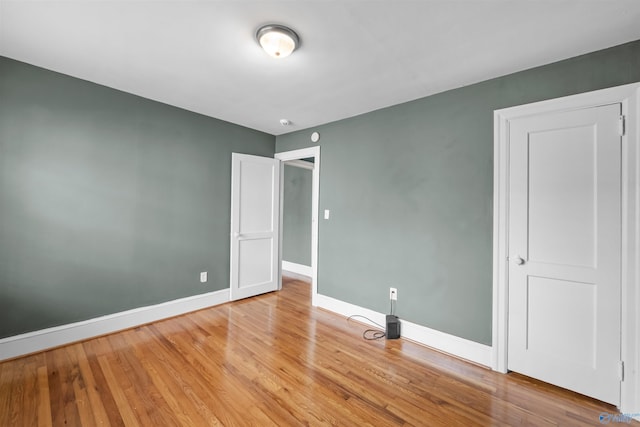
pixel 277 40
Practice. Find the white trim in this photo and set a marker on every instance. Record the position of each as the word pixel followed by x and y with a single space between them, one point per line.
pixel 500 247
pixel 305 153
pixel 631 390
pixel 296 276
pixel 292 267
pixel 447 343
pixel 300 164
pixel 44 339
pixel 629 97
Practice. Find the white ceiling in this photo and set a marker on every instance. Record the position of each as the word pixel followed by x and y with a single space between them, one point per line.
pixel 356 56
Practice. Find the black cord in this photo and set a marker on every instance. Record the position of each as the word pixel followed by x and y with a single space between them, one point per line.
pixel 374 334
pixel 370 334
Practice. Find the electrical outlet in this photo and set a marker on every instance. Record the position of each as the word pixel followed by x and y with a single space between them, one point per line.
pixel 203 277
pixel 393 294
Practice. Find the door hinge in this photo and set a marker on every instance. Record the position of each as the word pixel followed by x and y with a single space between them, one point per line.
pixel 621 125
pixel 621 370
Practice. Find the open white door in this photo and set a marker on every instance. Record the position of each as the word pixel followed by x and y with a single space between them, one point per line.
pixel 255 210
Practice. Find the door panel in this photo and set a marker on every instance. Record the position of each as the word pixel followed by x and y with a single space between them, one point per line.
pixel 557 331
pixel 256 195
pixel 256 267
pixel 255 208
pixel 565 249
pixel 562 199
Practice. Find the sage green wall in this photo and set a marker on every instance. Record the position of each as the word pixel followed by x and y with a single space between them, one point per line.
pixel 410 189
pixel 108 201
pixel 296 212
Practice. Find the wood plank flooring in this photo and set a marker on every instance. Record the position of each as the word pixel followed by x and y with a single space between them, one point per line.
pixel 271 360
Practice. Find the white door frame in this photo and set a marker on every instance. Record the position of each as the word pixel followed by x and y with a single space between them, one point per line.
pixel 305 153
pixel 629 97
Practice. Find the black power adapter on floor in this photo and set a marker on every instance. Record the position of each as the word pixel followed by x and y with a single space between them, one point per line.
pixel 393 327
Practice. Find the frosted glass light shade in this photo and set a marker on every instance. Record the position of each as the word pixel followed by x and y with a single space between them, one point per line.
pixel 277 41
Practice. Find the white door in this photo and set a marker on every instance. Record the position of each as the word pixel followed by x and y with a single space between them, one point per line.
pixel 255 209
pixel 565 249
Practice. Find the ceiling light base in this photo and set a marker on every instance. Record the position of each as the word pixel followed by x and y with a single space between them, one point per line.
pixel 277 40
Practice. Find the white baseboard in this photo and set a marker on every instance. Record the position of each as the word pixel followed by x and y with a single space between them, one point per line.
pixel 292 267
pixel 36 341
pixel 296 276
pixel 456 346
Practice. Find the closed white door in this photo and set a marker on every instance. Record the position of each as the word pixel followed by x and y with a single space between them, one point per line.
pixel 255 209
pixel 565 249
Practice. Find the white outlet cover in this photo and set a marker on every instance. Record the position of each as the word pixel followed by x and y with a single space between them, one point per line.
pixel 327 213
pixel 203 277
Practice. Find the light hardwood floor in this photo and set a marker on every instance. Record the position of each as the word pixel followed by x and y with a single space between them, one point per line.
pixel 271 360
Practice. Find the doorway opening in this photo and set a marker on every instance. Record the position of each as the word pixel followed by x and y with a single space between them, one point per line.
pixel 300 246
pixel 296 218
